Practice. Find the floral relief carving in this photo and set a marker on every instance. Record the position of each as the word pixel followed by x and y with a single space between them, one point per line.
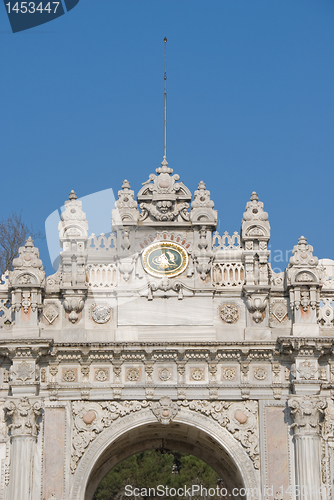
pixel 102 374
pixel 162 198
pixel 260 373
pixel 90 418
pixel 197 374
pixel 70 375
pixel 133 374
pixel 165 374
pixel 24 371
pixel 307 370
pixel 101 313
pixel 229 313
pixel 239 418
pixel 229 373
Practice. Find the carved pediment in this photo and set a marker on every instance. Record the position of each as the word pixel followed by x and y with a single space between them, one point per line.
pixel 28 267
pixel 202 211
pixel 302 254
pixel 162 198
pixel 303 266
pixel 126 209
pixel 305 276
pixel 255 223
pixel 73 224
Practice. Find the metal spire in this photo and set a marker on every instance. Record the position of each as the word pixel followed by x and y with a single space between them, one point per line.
pixel 165 95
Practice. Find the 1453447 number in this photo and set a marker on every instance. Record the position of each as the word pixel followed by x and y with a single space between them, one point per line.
pixel 32 7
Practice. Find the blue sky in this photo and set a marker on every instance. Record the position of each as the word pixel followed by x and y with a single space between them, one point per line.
pixel 250 107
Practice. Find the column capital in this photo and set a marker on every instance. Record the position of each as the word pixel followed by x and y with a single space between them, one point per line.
pixel 23 414
pixel 306 411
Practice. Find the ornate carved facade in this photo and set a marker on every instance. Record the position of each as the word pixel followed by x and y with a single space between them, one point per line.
pixel 166 331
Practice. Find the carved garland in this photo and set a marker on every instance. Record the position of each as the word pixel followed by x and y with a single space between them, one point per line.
pixel 91 418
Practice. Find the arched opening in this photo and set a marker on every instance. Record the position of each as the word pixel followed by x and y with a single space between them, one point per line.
pixel 162 473
pixel 175 436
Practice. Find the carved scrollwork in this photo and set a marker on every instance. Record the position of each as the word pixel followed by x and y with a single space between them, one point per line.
pixel 239 418
pixel 91 418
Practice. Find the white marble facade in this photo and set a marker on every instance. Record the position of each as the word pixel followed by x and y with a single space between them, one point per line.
pixel 222 358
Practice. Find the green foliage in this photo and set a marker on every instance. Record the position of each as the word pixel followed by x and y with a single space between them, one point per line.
pixel 156 467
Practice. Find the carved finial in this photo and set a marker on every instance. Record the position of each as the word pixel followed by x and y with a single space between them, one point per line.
pixel 28 257
pixel 126 184
pixel 164 169
pixel 29 242
pixel 254 196
pixel 302 254
pixel 72 195
pixel 202 198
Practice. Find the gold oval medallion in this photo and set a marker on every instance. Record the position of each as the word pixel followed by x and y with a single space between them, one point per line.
pixel 165 258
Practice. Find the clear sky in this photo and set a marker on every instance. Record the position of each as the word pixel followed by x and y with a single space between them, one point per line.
pixel 250 107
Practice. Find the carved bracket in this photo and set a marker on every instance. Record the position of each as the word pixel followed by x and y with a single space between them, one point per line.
pixel 257 305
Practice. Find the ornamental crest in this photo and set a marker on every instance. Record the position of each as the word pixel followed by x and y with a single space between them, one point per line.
pixel 165 410
pixel 307 370
pixel 165 259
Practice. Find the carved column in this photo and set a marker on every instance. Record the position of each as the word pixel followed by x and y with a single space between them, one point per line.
pixel 23 429
pixel 306 411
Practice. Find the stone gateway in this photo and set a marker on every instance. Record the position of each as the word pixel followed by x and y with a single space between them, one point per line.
pixel 164 333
